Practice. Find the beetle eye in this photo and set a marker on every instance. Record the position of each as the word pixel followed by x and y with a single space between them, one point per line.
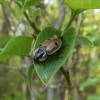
pixel 35 59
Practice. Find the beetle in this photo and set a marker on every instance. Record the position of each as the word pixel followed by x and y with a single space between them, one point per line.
pixel 47 48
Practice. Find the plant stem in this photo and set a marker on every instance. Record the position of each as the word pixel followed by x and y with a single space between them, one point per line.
pixel 73 15
pixel 66 74
pixel 70 86
pixel 32 24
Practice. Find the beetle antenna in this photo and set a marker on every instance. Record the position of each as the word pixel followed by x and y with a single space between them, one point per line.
pixel 34 59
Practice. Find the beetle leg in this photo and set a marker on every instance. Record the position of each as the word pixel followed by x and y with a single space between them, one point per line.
pixel 30 58
pixel 61 49
pixel 44 63
pixel 55 56
pixel 58 57
pixel 64 46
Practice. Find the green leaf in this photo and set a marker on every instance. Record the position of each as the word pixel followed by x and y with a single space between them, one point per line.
pixel 83 40
pixel 1 50
pixel 90 82
pixel 4 39
pixel 94 97
pixel 52 64
pixel 37 12
pixel 19 2
pixel 33 13
pixel 2 1
pixel 19 45
pixel 26 5
pixel 30 75
pixel 83 4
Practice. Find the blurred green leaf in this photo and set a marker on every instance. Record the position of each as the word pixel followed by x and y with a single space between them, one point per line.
pixel 2 1
pixel 1 50
pixel 19 45
pixel 96 40
pixel 53 64
pixel 94 97
pixel 83 4
pixel 30 75
pixel 89 82
pixel 4 39
pixel 26 5
pixel 19 2
pixel 33 13
pixel 83 40
pixel 37 12
pixel 95 63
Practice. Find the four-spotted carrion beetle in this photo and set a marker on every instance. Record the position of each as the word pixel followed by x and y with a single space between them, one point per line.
pixel 47 48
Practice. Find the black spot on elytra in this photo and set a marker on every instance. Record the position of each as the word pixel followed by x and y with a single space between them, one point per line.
pixel 56 43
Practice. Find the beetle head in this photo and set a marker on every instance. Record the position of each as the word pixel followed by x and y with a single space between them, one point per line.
pixel 40 55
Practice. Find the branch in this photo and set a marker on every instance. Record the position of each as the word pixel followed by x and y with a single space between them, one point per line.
pixel 70 86
pixel 61 16
pixel 73 15
pixel 9 67
pixel 20 69
pixel 32 24
pixel 6 16
pixel 79 21
pixel 67 76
